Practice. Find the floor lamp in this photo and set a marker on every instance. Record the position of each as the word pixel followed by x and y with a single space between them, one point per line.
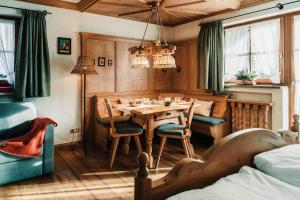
pixel 85 65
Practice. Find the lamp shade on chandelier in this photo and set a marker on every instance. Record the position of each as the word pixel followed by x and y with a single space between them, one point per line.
pixel 159 54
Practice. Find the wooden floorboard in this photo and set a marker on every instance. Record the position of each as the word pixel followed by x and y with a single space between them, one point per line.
pixel 87 177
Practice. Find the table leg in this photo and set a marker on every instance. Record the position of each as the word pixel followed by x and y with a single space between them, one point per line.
pixel 149 138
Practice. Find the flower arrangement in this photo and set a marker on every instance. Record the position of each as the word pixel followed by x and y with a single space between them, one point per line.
pixel 245 77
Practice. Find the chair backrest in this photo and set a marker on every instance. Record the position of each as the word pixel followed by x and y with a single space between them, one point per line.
pixel 110 114
pixel 190 114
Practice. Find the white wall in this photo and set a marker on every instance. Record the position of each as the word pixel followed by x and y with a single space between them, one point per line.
pixel 64 103
pixel 191 30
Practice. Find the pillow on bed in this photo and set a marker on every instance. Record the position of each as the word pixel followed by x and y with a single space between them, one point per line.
pixel 204 108
pixel 282 163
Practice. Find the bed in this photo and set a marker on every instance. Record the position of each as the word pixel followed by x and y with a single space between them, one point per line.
pixel 224 163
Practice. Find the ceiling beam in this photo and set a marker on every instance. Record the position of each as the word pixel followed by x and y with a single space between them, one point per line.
pixel 125 5
pixel 134 12
pixel 83 5
pixel 54 3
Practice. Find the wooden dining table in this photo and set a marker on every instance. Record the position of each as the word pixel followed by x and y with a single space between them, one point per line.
pixel 153 116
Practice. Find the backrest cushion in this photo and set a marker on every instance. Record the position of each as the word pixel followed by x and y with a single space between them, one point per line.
pixel 203 108
pixel 15 118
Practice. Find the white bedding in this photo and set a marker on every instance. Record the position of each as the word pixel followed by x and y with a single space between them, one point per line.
pixel 248 184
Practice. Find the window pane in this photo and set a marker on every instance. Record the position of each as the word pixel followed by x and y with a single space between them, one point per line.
pixel 236 51
pixel 7 49
pixel 265 40
pixel 297 62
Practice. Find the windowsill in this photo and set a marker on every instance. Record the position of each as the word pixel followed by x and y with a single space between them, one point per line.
pixel 232 85
pixel 6 90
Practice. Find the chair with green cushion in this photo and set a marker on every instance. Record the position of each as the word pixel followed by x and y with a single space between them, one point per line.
pixel 15 120
pixel 182 132
pixel 122 129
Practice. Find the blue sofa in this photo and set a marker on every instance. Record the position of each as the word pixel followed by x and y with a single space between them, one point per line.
pixel 15 120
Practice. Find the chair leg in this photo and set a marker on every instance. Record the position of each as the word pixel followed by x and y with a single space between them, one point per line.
pixel 161 146
pixel 185 148
pixel 188 148
pixel 138 143
pixel 113 151
pixel 125 146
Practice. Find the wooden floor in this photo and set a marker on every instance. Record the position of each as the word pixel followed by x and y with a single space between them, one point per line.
pixel 80 177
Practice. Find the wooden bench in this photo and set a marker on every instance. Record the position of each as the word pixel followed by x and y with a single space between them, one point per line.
pixel 216 126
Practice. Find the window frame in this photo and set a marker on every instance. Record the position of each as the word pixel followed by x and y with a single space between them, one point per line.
pixel 281 49
pixel 4 87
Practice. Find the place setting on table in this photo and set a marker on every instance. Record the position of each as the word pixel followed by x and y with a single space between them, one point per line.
pixel 153 113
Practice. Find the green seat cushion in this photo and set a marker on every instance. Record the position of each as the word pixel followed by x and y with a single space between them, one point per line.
pixel 171 129
pixel 208 120
pixel 128 127
pixel 106 121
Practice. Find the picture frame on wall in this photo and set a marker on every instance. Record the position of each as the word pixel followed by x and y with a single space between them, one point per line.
pixel 64 46
pixel 109 63
pixel 101 61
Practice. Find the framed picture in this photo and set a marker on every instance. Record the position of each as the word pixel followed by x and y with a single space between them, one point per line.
pixel 101 61
pixel 64 46
pixel 109 63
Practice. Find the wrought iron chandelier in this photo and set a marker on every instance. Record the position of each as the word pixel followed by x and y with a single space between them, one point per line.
pixel 158 54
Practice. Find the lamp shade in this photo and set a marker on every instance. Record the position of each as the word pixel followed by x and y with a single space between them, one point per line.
pixel 140 61
pixel 84 65
pixel 164 61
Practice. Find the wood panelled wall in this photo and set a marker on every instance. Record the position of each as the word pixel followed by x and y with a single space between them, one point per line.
pixel 186 59
pixel 120 77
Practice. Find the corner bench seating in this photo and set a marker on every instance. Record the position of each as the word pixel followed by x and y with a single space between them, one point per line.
pixel 216 125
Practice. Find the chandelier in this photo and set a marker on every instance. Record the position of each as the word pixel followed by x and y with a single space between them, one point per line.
pixel 158 54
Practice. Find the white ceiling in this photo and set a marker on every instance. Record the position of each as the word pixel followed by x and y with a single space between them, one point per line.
pixel 72 1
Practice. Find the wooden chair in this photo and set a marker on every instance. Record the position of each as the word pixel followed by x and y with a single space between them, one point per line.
pixel 122 129
pixel 182 132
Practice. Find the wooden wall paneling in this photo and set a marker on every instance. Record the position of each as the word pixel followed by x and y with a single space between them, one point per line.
pixel 104 81
pixel 183 60
pixel 129 79
pixel 193 69
pixel 163 80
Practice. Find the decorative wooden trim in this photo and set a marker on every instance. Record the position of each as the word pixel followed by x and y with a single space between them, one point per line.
pixel 249 114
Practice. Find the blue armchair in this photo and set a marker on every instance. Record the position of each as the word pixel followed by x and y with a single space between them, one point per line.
pixel 15 118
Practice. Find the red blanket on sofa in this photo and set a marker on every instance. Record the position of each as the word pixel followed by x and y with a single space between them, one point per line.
pixel 30 144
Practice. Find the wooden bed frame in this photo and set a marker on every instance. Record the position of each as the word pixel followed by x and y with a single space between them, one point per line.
pixel 222 159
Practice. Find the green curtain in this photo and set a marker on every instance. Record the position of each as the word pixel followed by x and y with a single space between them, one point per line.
pixel 211 56
pixel 32 57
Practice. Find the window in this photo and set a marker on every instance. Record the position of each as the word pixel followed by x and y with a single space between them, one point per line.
pixel 253 48
pixel 297 62
pixel 7 53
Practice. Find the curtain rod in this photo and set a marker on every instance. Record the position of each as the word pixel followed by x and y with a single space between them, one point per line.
pixel 280 6
pixel 44 11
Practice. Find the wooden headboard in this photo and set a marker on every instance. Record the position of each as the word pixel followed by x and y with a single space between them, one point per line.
pixel 222 159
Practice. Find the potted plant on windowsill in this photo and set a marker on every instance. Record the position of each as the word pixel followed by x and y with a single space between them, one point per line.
pixel 245 78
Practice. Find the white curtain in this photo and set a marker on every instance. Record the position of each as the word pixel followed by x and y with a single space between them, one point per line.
pixel 297 62
pixel 265 40
pixel 236 51
pixel 7 49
